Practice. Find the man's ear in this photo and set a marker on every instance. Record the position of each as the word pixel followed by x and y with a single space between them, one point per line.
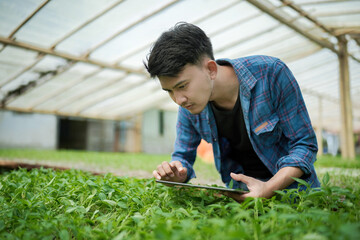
pixel 212 68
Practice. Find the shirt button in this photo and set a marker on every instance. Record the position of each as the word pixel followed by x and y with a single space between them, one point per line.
pixel 214 139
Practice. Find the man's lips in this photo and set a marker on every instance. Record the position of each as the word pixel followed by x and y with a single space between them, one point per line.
pixel 188 106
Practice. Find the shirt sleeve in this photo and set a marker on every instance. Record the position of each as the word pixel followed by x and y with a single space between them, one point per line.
pixel 294 120
pixel 186 143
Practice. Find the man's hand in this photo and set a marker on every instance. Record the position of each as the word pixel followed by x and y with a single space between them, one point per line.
pixel 257 188
pixel 173 172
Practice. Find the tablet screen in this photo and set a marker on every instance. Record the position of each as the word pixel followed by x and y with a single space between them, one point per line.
pixel 203 186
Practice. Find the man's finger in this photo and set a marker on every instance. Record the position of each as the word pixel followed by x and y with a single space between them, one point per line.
pixel 178 169
pixel 161 171
pixel 241 178
pixel 236 196
pixel 183 171
pixel 168 170
pixel 156 175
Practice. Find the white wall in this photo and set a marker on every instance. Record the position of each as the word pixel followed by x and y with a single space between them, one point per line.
pixel 152 141
pixel 27 130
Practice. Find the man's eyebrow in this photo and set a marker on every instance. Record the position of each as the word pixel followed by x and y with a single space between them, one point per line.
pixel 176 85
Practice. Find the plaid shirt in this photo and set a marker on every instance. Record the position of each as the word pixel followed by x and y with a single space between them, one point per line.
pixel 275 116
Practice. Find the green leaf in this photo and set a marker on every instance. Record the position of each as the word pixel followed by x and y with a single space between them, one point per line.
pixel 301 181
pixel 109 202
pixel 280 192
pixel 64 234
pixel 2 225
pixel 71 209
pixel 137 201
pixel 102 196
pixel 231 183
pixel 50 181
pixel 122 205
pixel 326 179
pixel 91 183
pixel 137 217
pixel 183 211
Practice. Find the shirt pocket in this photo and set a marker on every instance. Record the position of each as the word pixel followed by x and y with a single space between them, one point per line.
pixel 269 131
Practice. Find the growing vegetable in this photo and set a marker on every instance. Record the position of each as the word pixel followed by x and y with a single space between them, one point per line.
pixel 48 204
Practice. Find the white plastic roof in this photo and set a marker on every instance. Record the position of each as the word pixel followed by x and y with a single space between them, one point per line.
pixel 84 58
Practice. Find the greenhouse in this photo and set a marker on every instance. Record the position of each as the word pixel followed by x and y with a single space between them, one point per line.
pixel 83 126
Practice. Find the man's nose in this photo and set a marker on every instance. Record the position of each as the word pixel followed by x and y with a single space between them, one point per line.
pixel 180 99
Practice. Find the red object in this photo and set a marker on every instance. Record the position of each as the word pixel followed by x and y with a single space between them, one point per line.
pixel 205 152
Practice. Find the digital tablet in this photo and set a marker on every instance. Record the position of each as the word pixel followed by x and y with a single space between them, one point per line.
pixel 203 186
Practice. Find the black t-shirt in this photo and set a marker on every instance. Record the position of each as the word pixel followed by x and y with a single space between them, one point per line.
pixel 230 125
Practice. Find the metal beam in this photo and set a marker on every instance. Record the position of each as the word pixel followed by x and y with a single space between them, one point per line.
pixel 307 16
pixel 347 30
pixel 338 13
pixel 86 23
pixel 91 50
pixel 324 2
pixel 197 21
pixel 69 56
pixel 234 24
pixel 317 23
pixel 17 109
pixel 28 18
pixel 266 9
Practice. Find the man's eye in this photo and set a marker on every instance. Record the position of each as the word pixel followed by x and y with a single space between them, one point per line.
pixel 182 86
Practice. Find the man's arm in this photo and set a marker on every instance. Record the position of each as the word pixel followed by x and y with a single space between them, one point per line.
pixel 294 121
pixel 183 157
pixel 257 188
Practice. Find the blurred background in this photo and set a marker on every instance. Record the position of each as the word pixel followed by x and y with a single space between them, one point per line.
pixel 72 74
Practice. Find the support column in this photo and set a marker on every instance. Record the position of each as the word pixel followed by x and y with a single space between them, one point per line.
pixel 319 129
pixel 347 136
pixel 138 132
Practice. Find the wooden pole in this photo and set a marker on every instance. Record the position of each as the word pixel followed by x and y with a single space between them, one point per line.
pixel 319 129
pixel 138 132
pixel 347 136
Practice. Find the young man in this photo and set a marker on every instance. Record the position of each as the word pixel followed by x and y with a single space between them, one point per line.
pixel 250 109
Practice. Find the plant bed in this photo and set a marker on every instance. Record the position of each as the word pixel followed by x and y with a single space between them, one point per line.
pixel 72 204
pixel 138 165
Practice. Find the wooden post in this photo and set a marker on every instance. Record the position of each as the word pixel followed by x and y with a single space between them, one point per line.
pixel 116 137
pixel 320 128
pixel 347 136
pixel 138 132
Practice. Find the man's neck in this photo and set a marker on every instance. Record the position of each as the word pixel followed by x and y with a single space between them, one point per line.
pixel 226 88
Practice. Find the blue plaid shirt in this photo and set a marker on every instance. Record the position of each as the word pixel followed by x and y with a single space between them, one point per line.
pixel 276 119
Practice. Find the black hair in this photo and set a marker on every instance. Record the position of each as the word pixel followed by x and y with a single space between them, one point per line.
pixel 183 44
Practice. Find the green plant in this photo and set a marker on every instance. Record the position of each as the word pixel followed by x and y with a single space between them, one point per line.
pixel 48 204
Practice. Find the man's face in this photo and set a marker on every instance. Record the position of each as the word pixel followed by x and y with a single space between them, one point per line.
pixel 191 89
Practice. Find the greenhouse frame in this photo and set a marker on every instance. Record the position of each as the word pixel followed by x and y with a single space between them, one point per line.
pixel 85 58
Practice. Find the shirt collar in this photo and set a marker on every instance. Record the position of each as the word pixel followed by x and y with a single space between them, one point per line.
pixel 246 79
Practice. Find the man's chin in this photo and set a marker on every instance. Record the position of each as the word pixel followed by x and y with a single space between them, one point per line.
pixel 195 111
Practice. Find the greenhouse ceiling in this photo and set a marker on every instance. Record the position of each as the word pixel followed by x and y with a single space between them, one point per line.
pixel 85 58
